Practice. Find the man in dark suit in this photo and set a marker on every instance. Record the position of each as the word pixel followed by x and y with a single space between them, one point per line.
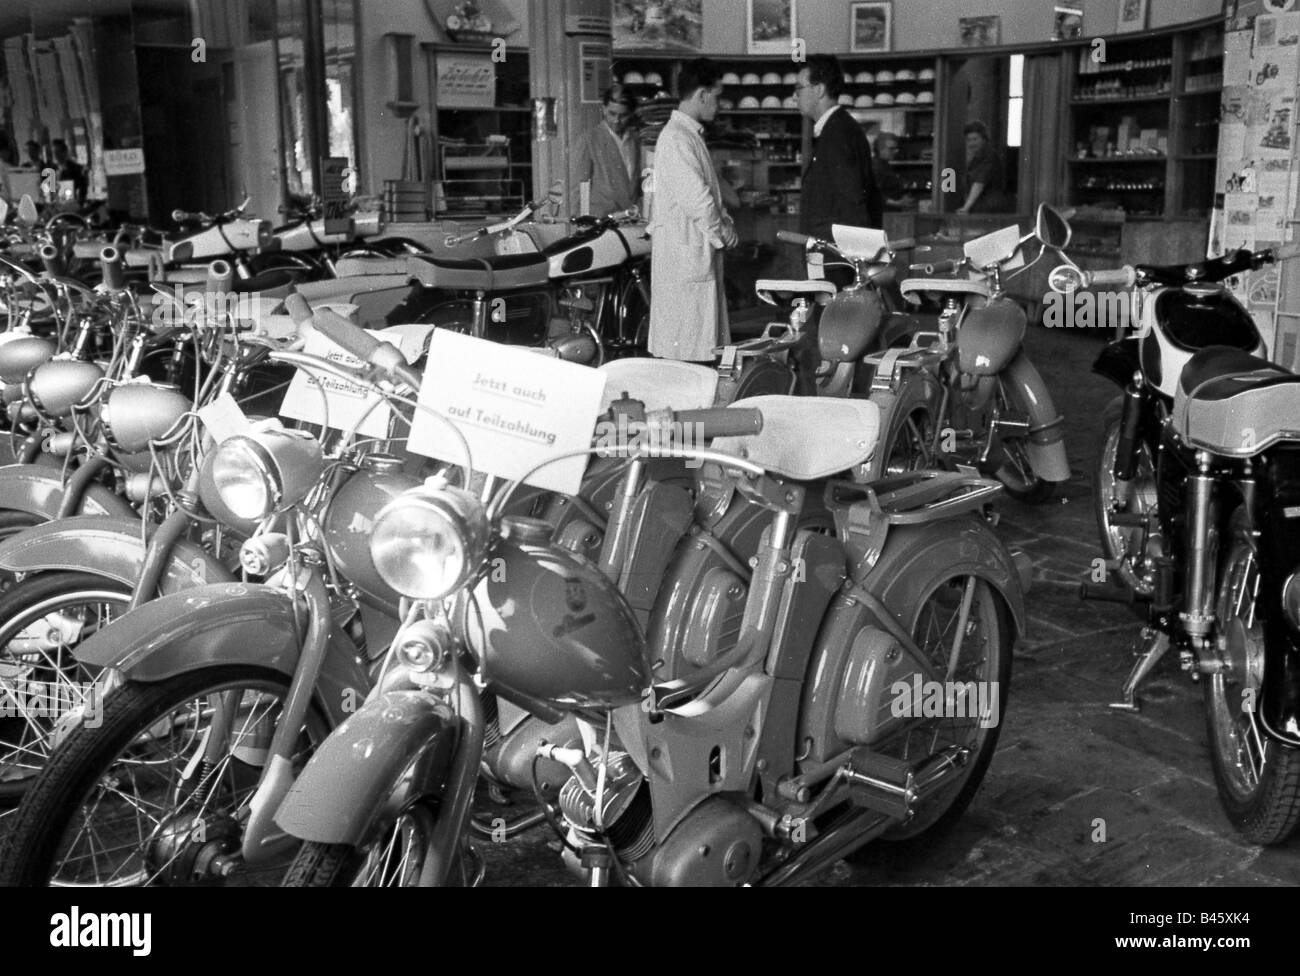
pixel 838 185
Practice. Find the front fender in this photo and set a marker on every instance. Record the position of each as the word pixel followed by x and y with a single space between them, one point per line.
pixel 355 775
pixel 224 624
pixel 1118 361
pixel 108 546
pixel 1046 443
pixel 38 489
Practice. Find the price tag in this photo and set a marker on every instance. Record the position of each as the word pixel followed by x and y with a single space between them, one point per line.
pixel 515 408
pixel 224 419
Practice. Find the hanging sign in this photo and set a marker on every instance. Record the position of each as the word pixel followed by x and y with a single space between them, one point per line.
pixel 334 199
pixel 465 80
pixel 595 70
pixel 123 162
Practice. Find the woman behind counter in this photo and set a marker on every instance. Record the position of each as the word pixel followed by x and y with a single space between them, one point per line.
pixel 984 176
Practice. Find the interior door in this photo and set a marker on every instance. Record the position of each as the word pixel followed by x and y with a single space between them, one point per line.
pixel 255 131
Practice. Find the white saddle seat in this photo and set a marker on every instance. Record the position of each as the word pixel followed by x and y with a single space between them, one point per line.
pixel 806 438
pixel 769 288
pixel 353 267
pixel 914 288
pixel 661 384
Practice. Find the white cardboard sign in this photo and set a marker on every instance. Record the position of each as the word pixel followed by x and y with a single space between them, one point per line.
pixel 344 403
pixel 996 246
pixel 514 407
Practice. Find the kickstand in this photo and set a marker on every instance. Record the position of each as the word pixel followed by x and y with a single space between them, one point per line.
pixel 1159 643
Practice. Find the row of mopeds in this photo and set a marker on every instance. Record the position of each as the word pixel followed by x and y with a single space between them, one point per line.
pixel 317 658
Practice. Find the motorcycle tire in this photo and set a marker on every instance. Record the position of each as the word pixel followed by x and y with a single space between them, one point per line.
pixel 46 682
pixel 922 596
pixel 1118 543
pixel 394 858
pixel 83 785
pixel 1257 777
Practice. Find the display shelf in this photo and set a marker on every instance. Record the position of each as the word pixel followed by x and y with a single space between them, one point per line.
pixel 1156 93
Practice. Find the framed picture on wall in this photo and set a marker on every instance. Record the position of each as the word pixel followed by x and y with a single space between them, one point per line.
pixel 869 27
pixel 770 26
pixel 1132 16
pixel 979 31
pixel 1067 24
pixel 644 25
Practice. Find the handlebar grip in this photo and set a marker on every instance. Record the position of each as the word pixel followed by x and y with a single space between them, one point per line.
pixel 298 308
pixel 791 237
pixel 55 266
pixel 110 262
pixel 1124 277
pixel 220 276
pixel 343 333
pixel 903 244
pixel 723 421
pixel 1287 252
pixel 938 267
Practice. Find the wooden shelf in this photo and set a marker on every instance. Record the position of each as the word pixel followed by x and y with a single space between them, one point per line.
pixel 1121 100
pixel 1111 160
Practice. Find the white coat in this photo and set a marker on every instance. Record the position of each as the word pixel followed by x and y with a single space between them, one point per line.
pixel 688 229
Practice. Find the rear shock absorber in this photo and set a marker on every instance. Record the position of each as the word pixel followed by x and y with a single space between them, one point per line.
pixel 1200 523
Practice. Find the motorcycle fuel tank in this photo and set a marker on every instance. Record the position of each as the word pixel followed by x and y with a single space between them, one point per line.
pixel 548 624
pixel 849 324
pixel 350 521
pixel 990 337
pixel 581 254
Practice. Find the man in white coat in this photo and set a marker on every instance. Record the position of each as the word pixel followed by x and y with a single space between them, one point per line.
pixel 688 227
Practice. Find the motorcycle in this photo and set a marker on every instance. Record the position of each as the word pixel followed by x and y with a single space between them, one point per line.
pixel 968 393
pixel 758 727
pixel 1195 492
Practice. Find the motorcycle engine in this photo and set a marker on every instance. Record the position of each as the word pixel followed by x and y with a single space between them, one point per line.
pixel 625 809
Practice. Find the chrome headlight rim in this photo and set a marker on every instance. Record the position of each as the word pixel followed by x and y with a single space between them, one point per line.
pixel 462 518
pixel 263 466
pixel 1291 600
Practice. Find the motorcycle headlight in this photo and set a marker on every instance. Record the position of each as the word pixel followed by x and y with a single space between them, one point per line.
pixel 253 475
pixel 429 541
pixel 1291 600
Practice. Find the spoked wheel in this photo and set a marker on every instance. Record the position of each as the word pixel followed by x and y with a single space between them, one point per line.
pixel 1015 471
pixel 1258 778
pixel 159 791
pixel 962 628
pixel 1123 544
pixel 394 858
pixel 44 690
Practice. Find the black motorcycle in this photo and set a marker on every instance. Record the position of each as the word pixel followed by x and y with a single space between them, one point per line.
pixel 1198 503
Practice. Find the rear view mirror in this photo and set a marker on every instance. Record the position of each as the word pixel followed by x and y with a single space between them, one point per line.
pixel 1051 228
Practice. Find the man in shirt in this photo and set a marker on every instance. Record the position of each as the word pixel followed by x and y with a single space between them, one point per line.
pixel 689 228
pixel 609 157
pixel 887 178
pixel 838 185
pixel 69 169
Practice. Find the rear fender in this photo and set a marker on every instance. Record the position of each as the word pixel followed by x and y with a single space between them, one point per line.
pixel 38 489
pixel 224 624
pixel 1279 544
pixel 107 546
pixel 852 630
pixel 396 747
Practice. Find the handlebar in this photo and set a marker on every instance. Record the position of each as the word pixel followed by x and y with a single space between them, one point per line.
pixel 790 237
pixel 355 340
pixel 110 262
pixel 722 421
pixel 950 266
